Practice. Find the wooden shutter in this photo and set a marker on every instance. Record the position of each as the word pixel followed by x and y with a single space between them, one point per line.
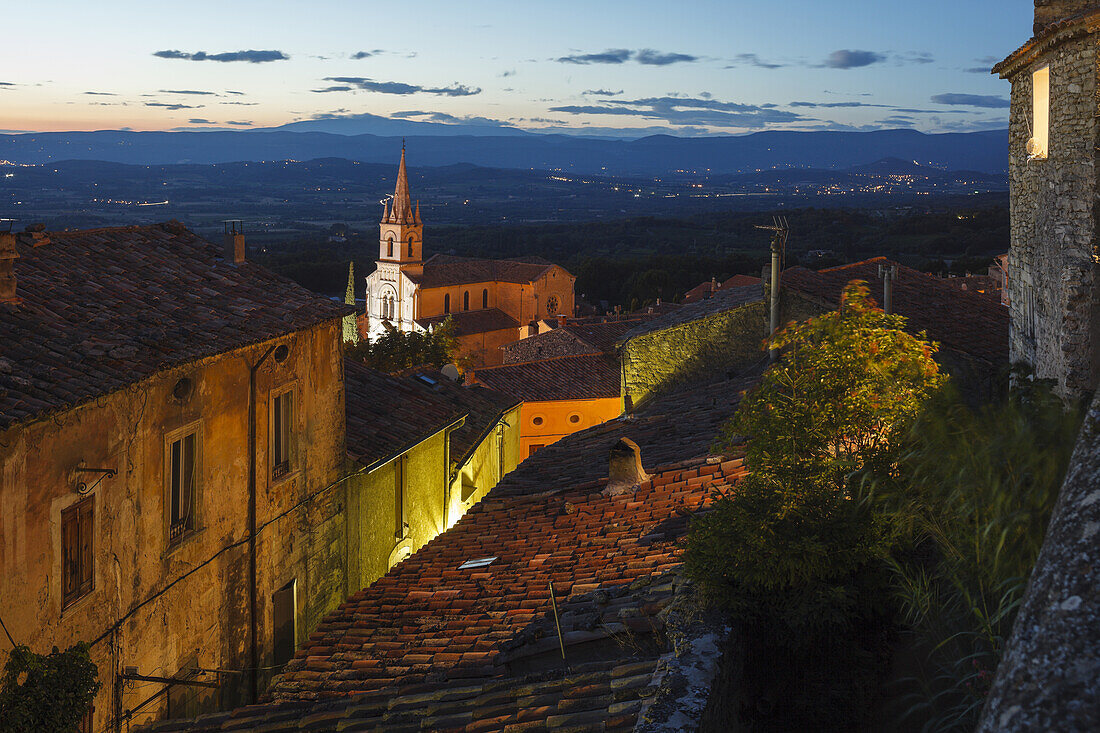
pixel 86 533
pixel 399 496
pixel 77 530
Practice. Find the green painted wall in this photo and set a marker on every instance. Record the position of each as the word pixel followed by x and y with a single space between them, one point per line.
pixel 657 362
pixel 482 471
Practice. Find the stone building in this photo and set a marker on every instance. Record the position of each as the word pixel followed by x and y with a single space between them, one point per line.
pixel 1053 138
pixel 171 435
pixel 491 301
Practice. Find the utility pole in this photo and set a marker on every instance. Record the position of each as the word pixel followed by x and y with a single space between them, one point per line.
pixel 780 231
pixel 888 274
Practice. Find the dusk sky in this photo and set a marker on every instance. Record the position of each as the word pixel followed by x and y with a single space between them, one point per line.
pixel 690 67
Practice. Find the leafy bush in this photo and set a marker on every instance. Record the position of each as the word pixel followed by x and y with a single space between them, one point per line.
pixel 47 692
pixel 396 350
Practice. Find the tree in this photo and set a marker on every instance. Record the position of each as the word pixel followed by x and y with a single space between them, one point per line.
pixel 351 328
pixel 47 692
pixel 395 350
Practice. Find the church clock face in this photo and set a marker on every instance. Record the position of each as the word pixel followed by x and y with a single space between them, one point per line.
pixel 552 304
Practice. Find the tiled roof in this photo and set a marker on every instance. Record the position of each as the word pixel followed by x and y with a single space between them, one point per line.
pixel 1047 36
pixel 721 301
pixel 470 322
pixel 445 270
pixel 962 320
pixel 431 646
pixel 388 414
pixel 572 339
pixel 703 291
pixel 104 308
pixel 558 378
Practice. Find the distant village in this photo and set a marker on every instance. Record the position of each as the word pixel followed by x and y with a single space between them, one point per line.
pixel 253 530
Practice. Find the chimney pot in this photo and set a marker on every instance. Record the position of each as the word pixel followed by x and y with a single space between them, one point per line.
pixel 8 256
pixel 625 469
pixel 234 241
pixel 562 318
pixel 1049 12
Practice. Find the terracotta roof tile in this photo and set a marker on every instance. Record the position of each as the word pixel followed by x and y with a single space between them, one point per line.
pixel 470 322
pixel 388 414
pixel 104 308
pixel 445 270
pixel 962 320
pixel 559 378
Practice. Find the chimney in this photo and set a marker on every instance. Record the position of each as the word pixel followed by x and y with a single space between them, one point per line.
pixel 625 470
pixel 562 318
pixel 8 256
pixel 1049 12
pixel 234 241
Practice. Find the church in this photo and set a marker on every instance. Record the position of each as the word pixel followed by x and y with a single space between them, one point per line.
pixel 492 302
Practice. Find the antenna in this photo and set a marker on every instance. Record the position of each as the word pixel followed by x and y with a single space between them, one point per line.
pixel 779 243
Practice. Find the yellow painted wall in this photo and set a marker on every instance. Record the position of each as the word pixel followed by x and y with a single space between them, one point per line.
pixel 493 458
pixel 556 423
pixel 163 607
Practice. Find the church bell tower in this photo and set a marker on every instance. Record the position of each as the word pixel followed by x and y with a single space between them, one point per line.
pixel 401 231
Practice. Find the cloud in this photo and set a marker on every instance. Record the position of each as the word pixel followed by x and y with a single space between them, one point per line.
pixel 239 123
pixel 396 87
pixel 610 56
pixel 985 65
pixel 972 100
pixel 753 60
pixel 250 56
pixel 507 72
pixel 173 106
pixel 449 119
pixel 362 55
pixel 6 85
pixel 836 105
pixel 101 94
pixel 687 111
pixel 848 59
pixel 185 91
pixel 915 57
pixel 230 91
pixel 241 104
pixel 649 57
pixel 199 121
pixel 602 92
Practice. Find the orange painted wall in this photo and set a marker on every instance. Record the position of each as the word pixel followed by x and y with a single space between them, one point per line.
pixel 556 422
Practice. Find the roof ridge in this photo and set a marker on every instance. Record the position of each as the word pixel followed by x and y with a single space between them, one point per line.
pixel 540 361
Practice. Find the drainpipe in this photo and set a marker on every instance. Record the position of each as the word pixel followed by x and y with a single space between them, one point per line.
pixel 254 648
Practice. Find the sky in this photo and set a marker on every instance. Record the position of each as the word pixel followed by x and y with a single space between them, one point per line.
pixel 689 67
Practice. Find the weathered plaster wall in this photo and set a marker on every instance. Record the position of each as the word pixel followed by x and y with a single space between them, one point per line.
pixel 1053 210
pixel 493 458
pixel 1048 677
pixel 657 362
pixel 165 607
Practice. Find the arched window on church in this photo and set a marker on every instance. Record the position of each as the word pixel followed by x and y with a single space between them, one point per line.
pixel 410 247
pixel 447 303
pixel 485 298
pixel 389 247
pixel 466 301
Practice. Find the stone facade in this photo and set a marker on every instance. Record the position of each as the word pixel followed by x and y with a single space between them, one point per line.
pixel 1052 291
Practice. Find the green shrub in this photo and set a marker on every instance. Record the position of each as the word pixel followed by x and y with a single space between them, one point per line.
pixel 47 692
pixel 396 350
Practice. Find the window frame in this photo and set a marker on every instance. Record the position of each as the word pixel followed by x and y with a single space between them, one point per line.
pixel 400 496
pixel 76 513
pixel 281 471
pixel 194 428
pixel 1040 109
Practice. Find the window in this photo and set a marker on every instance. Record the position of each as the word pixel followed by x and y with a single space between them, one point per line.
pixel 282 434
pixel 285 608
pixel 410 247
pixel 76 551
pixel 537 420
pixel 535 447
pixel 447 303
pixel 85 724
pixel 466 301
pixel 485 298
pixel 389 247
pixel 1040 107
pixel 181 485
pixel 400 477
pixel 575 418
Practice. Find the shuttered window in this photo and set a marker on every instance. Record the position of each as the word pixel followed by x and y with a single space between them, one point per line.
pixel 282 434
pixel 182 468
pixel 76 551
pixel 400 476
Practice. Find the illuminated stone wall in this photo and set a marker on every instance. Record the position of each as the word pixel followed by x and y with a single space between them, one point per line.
pixel 660 361
pixel 1052 271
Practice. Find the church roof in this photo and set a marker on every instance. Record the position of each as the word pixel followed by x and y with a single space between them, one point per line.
pixel 470 322
pixel 105 308
pixel 400 210
pixel 446 270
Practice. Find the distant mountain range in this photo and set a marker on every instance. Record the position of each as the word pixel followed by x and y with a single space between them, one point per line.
pixel 656 155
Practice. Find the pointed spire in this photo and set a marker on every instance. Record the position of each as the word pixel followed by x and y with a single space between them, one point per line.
pixel 402 202
pixel 385 210
pixel 417 218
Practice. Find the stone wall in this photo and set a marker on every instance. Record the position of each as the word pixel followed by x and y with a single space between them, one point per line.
pixel 660 361
pixel 1053 209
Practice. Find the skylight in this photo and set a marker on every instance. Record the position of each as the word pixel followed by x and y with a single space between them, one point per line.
pixel 480 562
pixel 425 379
